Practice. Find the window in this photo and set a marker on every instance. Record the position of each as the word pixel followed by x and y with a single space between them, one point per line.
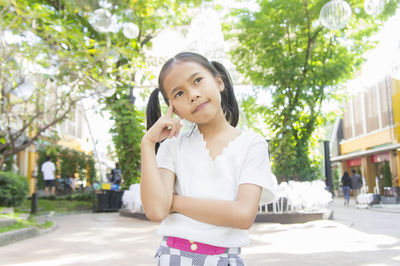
pixel 371 108
pixel 347 122
pixel 385 91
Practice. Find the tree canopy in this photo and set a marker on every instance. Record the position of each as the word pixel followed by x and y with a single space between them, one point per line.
pixel 73 60
pixel 46 68
pixel 283 48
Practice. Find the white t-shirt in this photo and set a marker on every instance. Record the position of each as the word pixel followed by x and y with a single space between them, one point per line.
pixel 48 169
pixel 244 160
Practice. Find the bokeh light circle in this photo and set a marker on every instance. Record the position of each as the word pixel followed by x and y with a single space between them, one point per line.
pixel 374 7
pixel 335 14
pixel 101 20
pixel 130 30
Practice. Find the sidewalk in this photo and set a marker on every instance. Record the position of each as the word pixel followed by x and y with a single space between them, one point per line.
pixel 355 237
pixel 338 204
pixel 386 208
pixel 382 219
pixel 109 239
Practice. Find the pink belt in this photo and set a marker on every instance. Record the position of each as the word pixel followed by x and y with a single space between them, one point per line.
pixel 192 246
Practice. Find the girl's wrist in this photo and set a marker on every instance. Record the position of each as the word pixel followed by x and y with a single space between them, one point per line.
pixel 146 140
pixel 174 202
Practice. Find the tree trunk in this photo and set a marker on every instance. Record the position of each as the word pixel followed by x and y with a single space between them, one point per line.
pixel 2 159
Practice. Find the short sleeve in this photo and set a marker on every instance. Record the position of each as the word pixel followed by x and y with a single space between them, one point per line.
pixel 53 166
pixel 256 169
pixel 166 155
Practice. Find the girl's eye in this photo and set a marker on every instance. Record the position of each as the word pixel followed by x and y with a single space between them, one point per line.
pixel 179 94
pixel 197 80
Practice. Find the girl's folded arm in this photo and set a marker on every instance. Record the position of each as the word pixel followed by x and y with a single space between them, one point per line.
pixel 156 186
pixel 236 214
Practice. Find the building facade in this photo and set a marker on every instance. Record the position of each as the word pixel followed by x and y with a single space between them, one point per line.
pixel 369 133
pixel 71 135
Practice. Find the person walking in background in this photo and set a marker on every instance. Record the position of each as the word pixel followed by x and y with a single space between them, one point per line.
pixel 116 174
pixel 346 185
pixel 356 183
pixel 48 170
pixel 72 182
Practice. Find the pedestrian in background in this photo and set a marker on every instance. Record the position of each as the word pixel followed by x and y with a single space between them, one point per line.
pixel 356 183
pixel 116 174
pixel 346 185
pixel 72 182
pixel 49 176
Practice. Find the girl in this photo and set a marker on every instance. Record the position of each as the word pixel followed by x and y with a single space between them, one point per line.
pixel 204 186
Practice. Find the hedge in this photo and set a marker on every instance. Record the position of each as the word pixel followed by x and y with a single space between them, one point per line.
pixel 13 189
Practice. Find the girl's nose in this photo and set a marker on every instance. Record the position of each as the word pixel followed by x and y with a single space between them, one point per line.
pixel 194 95
pixel 194 98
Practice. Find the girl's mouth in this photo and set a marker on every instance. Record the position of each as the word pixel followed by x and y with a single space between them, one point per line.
pixel 200 107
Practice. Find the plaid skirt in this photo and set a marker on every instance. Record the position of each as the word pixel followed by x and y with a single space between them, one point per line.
pixel 167 256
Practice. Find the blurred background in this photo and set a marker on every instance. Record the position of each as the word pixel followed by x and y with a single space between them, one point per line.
pixel 319 79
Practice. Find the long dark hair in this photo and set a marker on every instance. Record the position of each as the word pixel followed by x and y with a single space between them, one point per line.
pixel 228 100
pixel 346 174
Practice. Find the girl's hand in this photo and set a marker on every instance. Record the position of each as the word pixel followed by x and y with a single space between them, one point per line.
pixel 165 127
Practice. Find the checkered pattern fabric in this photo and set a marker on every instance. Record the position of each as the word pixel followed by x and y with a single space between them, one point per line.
pixel 167 256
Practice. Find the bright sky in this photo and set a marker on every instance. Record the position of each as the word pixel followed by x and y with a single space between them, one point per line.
pixel 381 59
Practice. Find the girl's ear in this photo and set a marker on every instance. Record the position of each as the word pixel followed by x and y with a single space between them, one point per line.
pixel 220 83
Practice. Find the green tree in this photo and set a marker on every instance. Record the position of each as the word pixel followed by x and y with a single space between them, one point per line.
pixel 46 67
pixel 129 69
pixel 282 48
pixel 78 61
pixel 127 133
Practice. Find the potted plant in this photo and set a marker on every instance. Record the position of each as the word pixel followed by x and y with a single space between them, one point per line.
pixel 389 192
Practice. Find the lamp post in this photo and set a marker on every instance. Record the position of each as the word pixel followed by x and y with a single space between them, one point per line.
pixel 34 195
pixel 328 169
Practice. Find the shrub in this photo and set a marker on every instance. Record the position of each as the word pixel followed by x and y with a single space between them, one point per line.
pixel 85 196
pixel 387 175
pixel 69 162
pixel 13 189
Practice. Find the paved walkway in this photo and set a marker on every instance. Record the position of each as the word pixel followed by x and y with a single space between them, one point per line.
pixel 357 237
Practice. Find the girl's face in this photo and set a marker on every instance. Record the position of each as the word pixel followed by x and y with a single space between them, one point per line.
pixel 194 92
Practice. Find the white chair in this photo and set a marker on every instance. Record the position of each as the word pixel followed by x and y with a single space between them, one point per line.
pixel 131 199
pixel 282 192
pixel 263 202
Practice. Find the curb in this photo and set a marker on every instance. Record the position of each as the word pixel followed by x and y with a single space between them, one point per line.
pixel 47 230
pixel 24 233
pixel 388 210
pixel 17 235
pixel 29 232
pixel 293 218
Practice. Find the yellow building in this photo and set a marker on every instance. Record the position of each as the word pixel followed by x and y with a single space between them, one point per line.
pixel 71 134
pixel 370 132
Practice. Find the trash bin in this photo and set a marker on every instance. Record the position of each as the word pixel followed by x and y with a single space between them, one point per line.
pixel 108 200
pixel 115 199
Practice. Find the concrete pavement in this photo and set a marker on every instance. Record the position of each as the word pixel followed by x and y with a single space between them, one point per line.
pixel 357 237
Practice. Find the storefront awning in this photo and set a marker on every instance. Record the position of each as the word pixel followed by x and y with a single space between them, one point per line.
pixel 364 153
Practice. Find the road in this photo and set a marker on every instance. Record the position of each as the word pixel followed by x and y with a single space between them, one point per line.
pixel 355 237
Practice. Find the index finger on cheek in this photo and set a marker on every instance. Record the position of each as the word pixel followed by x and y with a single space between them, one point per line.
pixel 170 110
